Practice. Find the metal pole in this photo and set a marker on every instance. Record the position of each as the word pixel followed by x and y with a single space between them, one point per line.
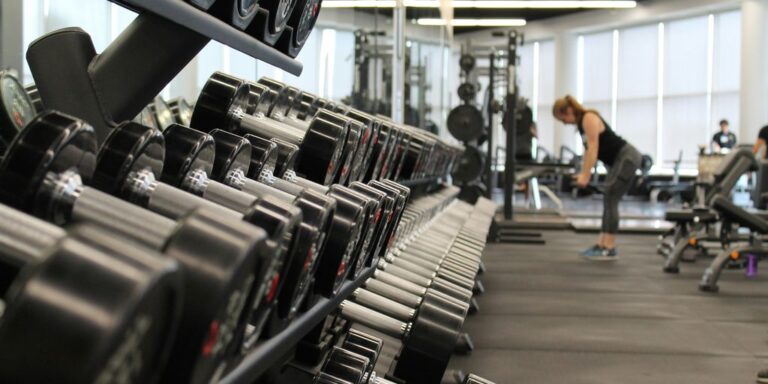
pixel 491 126
pixel 398 62
pixel 511 125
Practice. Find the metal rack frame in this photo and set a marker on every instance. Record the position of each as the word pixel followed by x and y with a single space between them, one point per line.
pixel 265 355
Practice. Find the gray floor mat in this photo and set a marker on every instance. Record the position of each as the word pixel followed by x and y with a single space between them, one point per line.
pixel 548 317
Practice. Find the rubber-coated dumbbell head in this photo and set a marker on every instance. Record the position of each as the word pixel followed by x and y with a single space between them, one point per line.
pixel 221 96
pixel 54 142
pixel 238 13
pixel 129 148
pixel 137 290
pixel 263 155
pixel 287 156
pixel 232 153
pixel 299 26
pixel 186 150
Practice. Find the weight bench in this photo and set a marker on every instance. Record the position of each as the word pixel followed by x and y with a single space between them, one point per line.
pixel 681 239
pixel 752 252
pixel 688 221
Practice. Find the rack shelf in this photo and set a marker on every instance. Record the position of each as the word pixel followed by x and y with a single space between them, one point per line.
pixel 271 351
pixel 188 16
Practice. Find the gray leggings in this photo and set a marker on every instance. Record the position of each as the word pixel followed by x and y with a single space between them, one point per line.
pixel 620 178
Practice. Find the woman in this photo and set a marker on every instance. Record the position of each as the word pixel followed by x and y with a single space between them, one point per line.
pixel 621 158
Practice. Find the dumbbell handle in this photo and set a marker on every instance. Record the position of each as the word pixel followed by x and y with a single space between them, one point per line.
pixel 373 319
pixel 23 238
pixel 262 126
pixel 167 200
pixel 122 217
pixel 384 305
pixel 393 292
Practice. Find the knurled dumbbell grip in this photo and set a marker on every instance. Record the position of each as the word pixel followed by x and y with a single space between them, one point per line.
pixel 384 305
pixel 370 318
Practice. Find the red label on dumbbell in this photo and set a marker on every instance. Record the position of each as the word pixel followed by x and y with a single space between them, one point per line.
pixel 273 288
pixel 210 341
pixel 342 269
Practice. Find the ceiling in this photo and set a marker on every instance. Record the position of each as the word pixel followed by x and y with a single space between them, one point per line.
pixel 473 13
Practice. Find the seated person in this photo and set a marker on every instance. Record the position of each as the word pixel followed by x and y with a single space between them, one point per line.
pixel 723 139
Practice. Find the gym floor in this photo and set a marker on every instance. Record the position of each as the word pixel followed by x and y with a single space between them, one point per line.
pixel 547 316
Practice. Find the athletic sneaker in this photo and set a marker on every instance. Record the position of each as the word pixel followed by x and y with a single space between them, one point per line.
pixel 597 253
pixel 590 250
pixel 762 376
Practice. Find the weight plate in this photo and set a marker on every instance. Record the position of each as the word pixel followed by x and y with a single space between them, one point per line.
pixel 466 123
pixel 467 92
pixel 471 165
pixel 467 62
pixel 16 109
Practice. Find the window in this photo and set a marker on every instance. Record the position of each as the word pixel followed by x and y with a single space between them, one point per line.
pixel 544 52
pixel 664 87
pixel 637 87
pixel 726 71
pixel 685 89
pixel 598 73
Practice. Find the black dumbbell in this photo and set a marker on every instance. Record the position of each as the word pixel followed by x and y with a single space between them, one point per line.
pixel 279 103
pixel 342 235
pixel 238 13
pixel 300 25
pixel 41 174
pixel 131 159
pixel 282 99
pixel 287 103
pixel 222 105
pixel 427 342
pixel 122 305
pixel 346 366
pixel 236 160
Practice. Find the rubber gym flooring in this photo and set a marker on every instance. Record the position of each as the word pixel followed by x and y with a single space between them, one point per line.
pixel 548 316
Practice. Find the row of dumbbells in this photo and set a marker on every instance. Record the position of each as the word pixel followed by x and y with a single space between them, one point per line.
pixel 239 250
pixel 436 268
pixel 282 24
pixel 421 291
pixel 354 362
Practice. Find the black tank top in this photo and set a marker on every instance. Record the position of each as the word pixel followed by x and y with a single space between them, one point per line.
pixel 609 143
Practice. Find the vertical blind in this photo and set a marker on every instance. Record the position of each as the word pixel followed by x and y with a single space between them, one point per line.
pixel 670 83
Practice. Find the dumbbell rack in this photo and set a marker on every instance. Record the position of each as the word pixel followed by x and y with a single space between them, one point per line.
pixel 271 351
pixel 201 22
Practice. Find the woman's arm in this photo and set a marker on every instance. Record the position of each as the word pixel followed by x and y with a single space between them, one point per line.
pixel 593 126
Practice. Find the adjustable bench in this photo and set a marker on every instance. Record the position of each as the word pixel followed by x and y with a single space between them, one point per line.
pixel 731 213
pixel 688 221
